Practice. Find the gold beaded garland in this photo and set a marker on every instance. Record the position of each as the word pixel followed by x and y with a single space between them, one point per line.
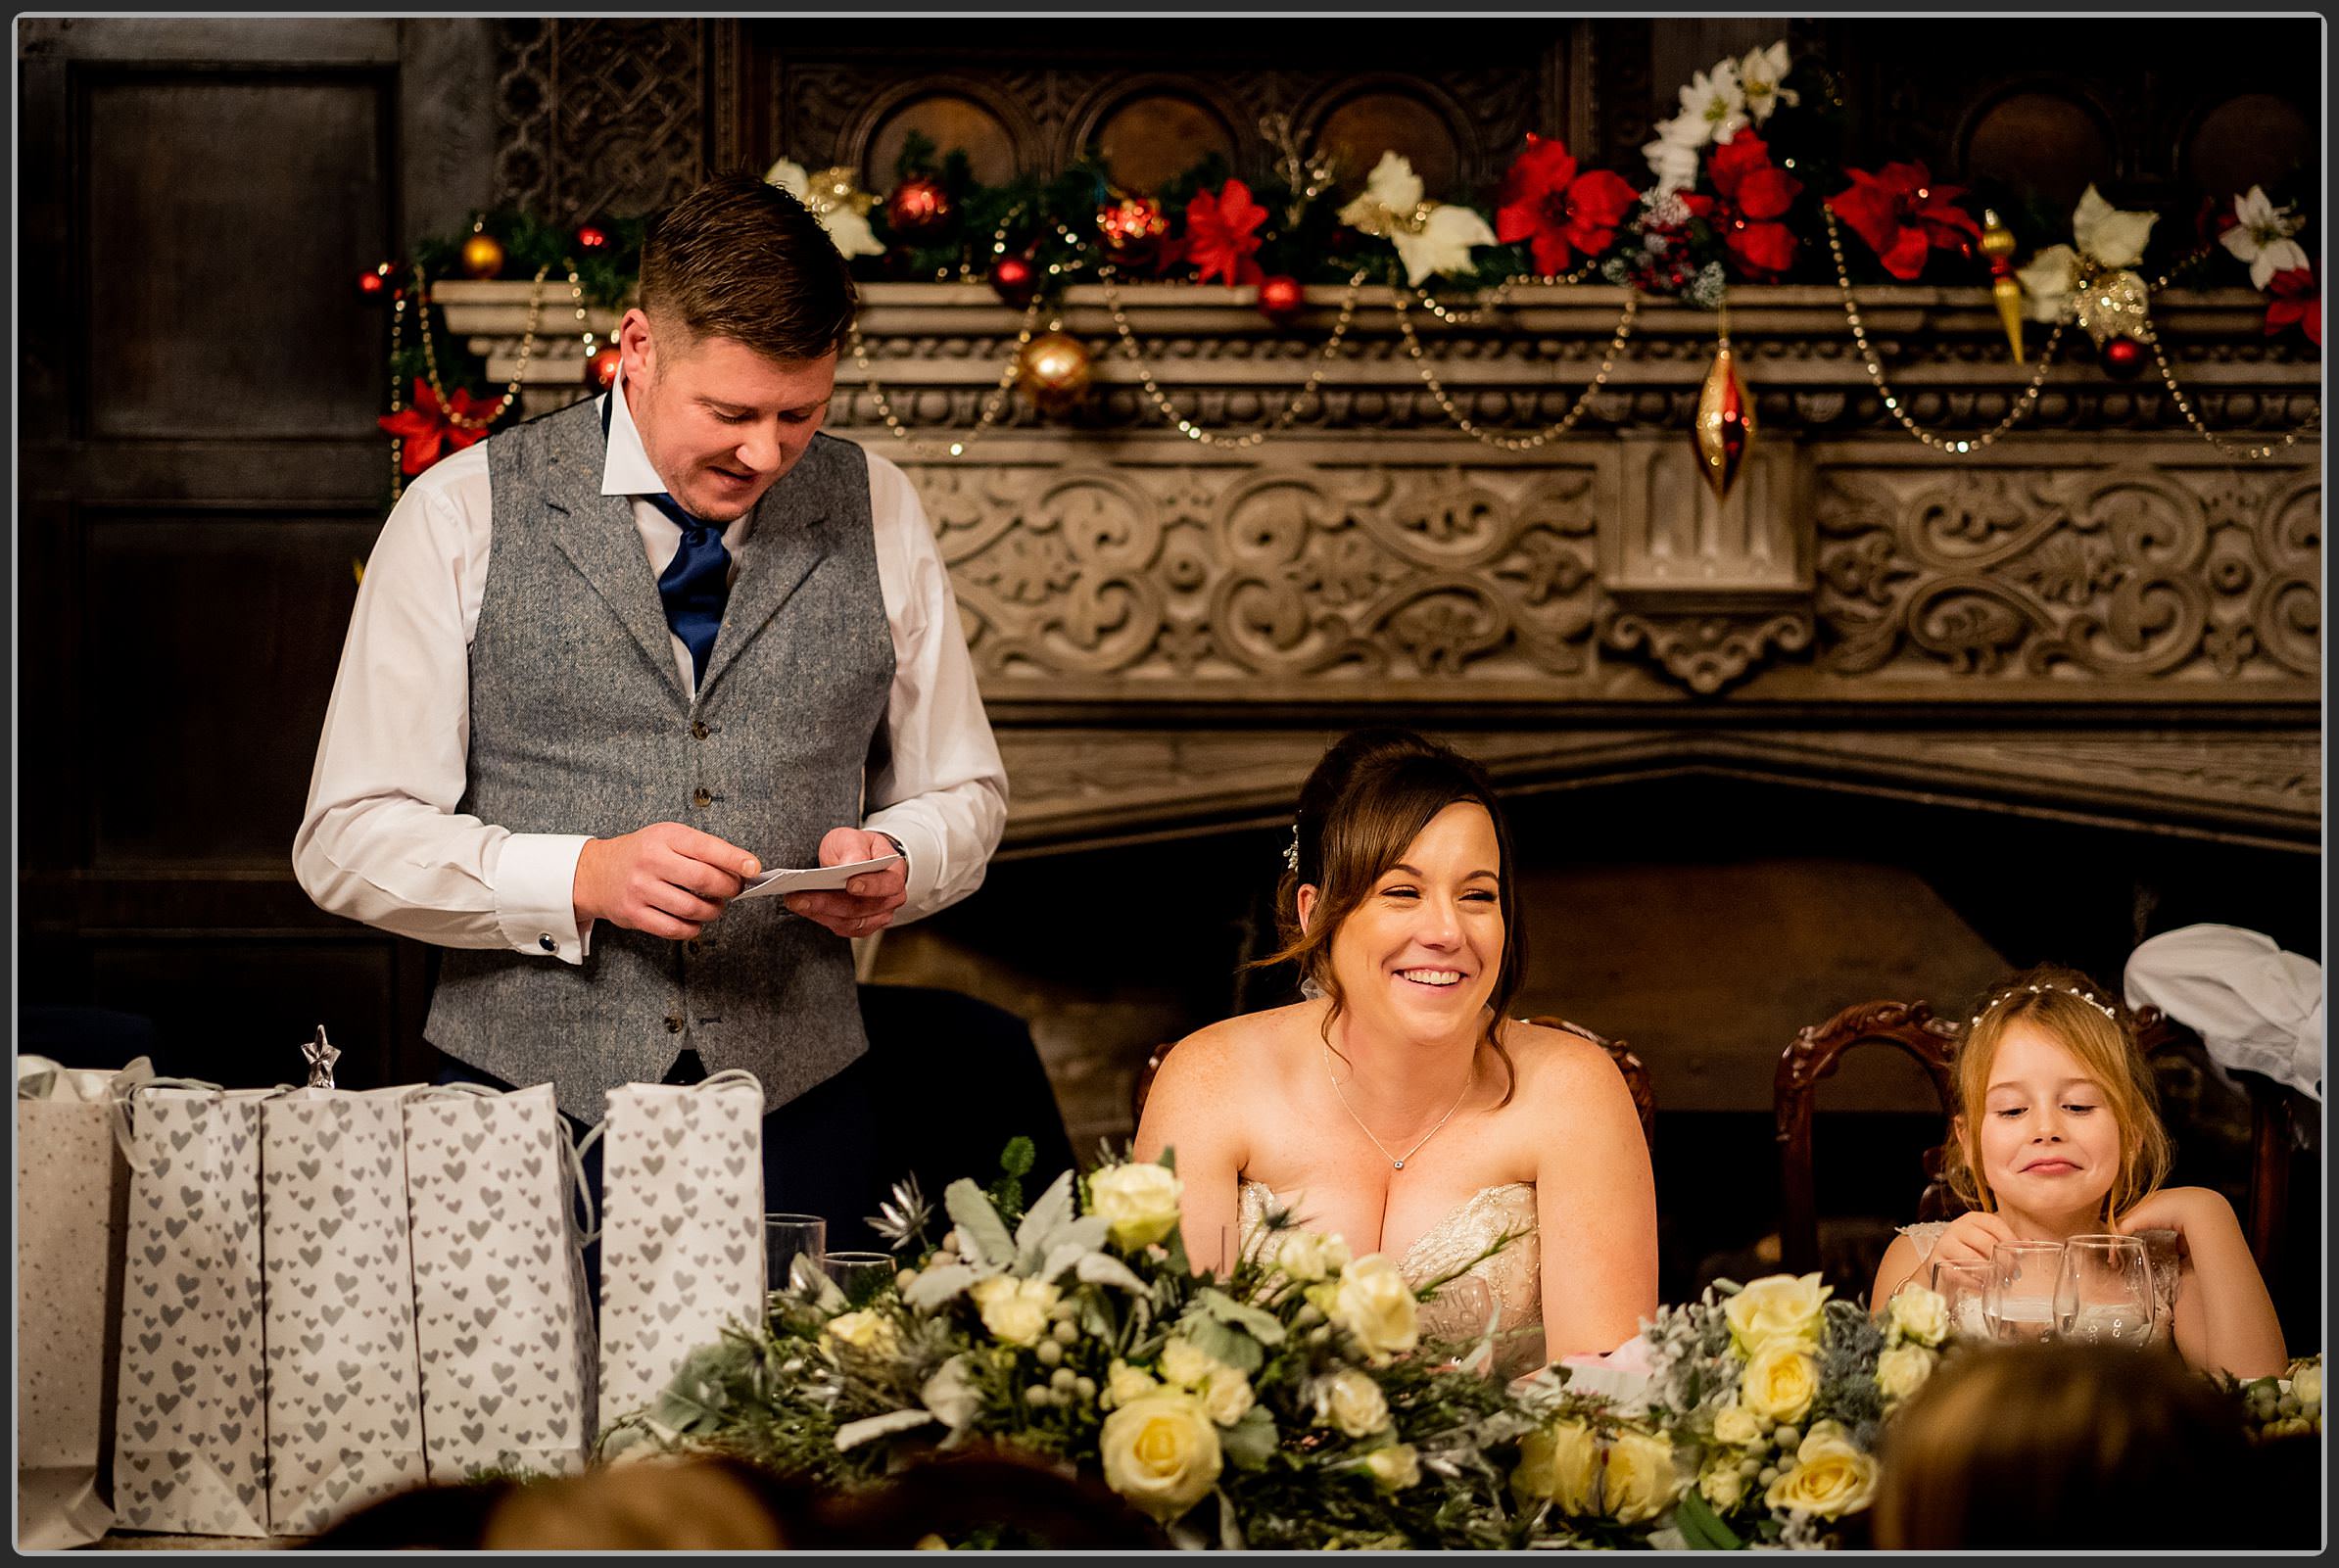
pixel 1291 408
pixel 1550 433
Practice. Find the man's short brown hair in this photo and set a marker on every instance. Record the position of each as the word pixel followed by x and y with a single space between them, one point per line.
pixel 739 258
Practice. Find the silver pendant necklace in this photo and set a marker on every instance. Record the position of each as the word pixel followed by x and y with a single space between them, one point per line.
pixel 1397 1161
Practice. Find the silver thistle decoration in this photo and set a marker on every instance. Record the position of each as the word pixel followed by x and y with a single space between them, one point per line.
pixel 902 1218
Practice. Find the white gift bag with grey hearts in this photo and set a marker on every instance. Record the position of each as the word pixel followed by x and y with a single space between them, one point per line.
pixel 72 1189
pixel 681 1228
pixel 345 1387
pixel 191 1400
pixel 501 1317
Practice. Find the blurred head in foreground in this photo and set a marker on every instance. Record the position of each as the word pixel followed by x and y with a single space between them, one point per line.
pixel 2072 1446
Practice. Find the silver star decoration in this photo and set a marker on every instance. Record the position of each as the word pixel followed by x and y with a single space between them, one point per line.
pixel 320 1054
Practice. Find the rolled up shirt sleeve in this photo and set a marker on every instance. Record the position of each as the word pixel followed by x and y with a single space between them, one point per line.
pixel 381 839
pixel 939 786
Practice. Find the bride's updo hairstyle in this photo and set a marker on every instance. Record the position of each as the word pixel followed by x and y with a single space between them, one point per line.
pixel 1366 800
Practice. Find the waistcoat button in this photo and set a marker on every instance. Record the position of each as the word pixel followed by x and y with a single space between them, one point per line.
pixel 698 728
pixel 673 1025
pixel 699 797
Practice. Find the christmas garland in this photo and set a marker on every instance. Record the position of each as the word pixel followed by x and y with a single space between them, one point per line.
pixel 1749 183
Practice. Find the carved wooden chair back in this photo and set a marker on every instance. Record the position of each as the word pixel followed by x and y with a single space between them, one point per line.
pixel 1634 1070
pixel 1907 1026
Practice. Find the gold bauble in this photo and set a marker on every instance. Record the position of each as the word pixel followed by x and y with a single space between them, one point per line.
pixel 1054 371
pixel 1725 424
pixel 483 255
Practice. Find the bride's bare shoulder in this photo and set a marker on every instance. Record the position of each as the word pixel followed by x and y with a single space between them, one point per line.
pixel 1559 1061
pixel 1237 1050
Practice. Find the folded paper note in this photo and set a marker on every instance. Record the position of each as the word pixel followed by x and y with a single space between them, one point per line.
pixel 813 879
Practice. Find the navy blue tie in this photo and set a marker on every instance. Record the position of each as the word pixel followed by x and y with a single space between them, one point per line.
pixel 696 582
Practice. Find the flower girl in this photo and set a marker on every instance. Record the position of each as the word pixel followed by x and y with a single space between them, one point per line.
pixel 2058 1135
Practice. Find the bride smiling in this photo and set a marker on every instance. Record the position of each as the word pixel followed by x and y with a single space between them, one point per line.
pixel 1398 1104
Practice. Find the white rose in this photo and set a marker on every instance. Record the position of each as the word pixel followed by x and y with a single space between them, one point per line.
pixel 1779 1307
pixel 1736 1426
pixel 2305 1383
pixel 1779 1381
pixel 1830 1477
pixel 1015 1311
pixel 1306 1255
pixel 1558 1463
pixel 865 1331
pixel 1903 1370
pixel 1639 1481
pixel 1185 1363
pixel 1395 1466
pixel 1918 1316
pixel 1724 1486
pixel 1123 1383
pixel 1227 1395
pixel 1160 1453
pixel 1140 1201
pixel 1373 1303
pixel 1351 1401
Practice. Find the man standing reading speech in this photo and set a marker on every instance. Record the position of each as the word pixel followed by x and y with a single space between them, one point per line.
pixel 609 663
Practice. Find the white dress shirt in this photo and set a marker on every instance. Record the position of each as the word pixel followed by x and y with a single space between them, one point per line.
pixel 382 841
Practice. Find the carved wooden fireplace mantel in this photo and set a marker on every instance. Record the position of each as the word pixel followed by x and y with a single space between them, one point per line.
pixel 2099 617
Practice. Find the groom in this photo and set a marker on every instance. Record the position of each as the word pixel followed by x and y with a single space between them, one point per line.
pixel 609 664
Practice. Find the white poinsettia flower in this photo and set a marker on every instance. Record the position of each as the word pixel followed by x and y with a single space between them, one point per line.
pixel 1671 159
pixel 2046 281
pixel 1759 75
pixel 848 229
pixel 2261 236
pixel 1443 244
pixel 1393 184
pixel 1716 101
pixel 2112 237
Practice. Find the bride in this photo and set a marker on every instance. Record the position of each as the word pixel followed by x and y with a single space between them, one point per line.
pixel 1398 1105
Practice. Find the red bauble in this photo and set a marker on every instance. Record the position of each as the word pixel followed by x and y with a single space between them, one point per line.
pixel 1131 229
pixel 919 207
pixel 602 369
pixel 1281 298
pixel 592 237
pixel 1016 279
pixel 2124 357
pixel 375 285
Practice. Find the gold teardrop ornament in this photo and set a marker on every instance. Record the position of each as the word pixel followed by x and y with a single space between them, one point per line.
pixel 1725 424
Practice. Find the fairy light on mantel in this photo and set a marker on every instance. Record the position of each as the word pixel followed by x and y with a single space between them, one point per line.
pixel 1549 432
pixel 992 405
pixel 2184 405
pixel 1957 446
pixel 519 373
pixel 397 392
pixel 1499 296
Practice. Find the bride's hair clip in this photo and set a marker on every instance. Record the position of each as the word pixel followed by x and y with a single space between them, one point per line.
pixel 1974 1021
pixel 1291 851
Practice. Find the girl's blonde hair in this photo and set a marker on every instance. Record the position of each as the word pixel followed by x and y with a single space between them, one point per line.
pixel 2101 1033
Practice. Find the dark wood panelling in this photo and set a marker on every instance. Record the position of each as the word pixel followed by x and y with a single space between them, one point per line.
pixel 207 200
pixel 208 641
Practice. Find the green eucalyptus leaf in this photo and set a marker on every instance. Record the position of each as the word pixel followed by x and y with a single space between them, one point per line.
pixel 1223 1342
pixel 972 1213
pixel 1260 1326
pixel 1250 1443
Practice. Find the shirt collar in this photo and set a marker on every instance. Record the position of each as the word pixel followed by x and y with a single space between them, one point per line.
pixel 626 470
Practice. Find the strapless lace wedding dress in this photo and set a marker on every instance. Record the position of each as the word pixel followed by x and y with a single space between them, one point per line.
pixel 1510 1280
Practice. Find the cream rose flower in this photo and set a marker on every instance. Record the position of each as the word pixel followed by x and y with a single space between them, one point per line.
pixel 1185 1363
pixel 1160 1453
pixel 1779 1307
pixel 1306 1255
pixel 1918 1316
pixel 1724 1486
pixel 1350 1402
pixel 1903 1370
pixel 1139 1201
pixel 1735 1425
pixel 1373 1303
pixel 2305 1384
pixel 1779 1381
pixel 1395 1466
pixel 864 1331
pixel 1560 1464
pixel 1639 1481
pixel 1227 1395
pixel 1830 1477
pixel 1123 1383
pixel 1015 1311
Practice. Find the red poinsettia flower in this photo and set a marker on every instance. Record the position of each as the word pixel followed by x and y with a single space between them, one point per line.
pixel 2295 302
pixel 1221 234
pixel 1751 196
pixel 1561 215
pixel 1904 217
pixel 427 430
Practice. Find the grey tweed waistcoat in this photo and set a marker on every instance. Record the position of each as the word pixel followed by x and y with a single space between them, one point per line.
pixel 580 724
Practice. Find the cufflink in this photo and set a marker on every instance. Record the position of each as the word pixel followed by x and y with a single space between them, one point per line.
pixel 546 943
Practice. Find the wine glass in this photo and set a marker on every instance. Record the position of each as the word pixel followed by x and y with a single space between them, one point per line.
pixel 788 1237
pixel 860 1275
pixel 2019 1307
pixel 1964 1288
pixel 2103 1293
